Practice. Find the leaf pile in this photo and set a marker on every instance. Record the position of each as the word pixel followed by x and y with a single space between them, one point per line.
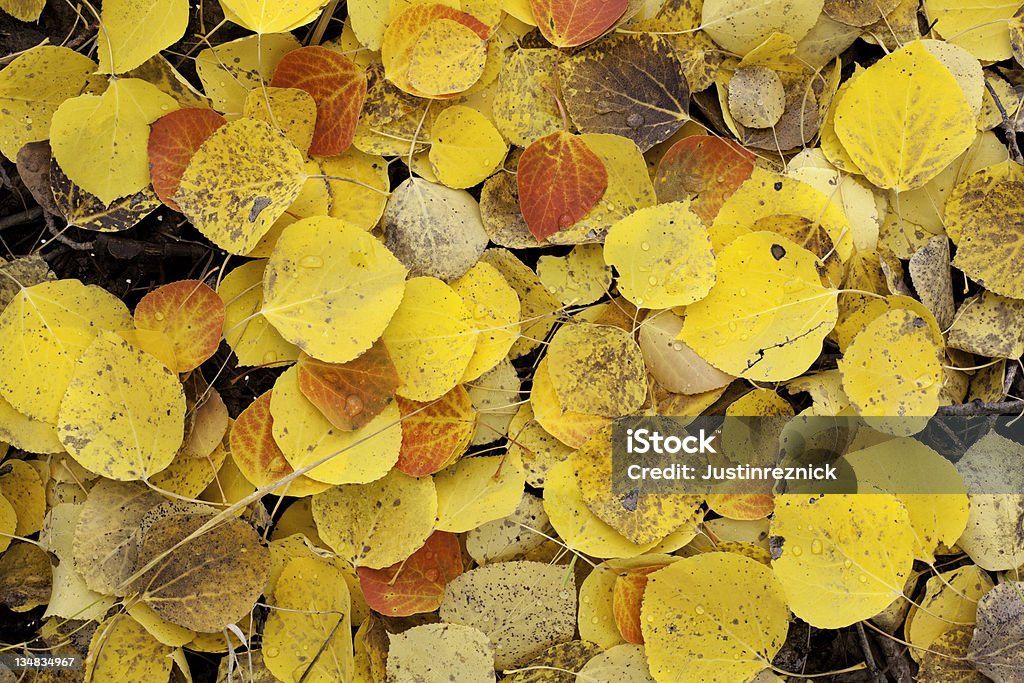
pixel 444 245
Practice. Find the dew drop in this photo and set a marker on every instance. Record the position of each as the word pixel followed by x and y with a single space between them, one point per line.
pixel 652 280
pixel 311 262
pixel 732 327
pixel 862 578
pixel 269 357
pixel 699 609
pixel 565 221
pixel 650 618
pixel 721 179
pixel 743 336
pixel 431 574
pixel 816 547
pixel 594 620
pixel 848 563
pixel 271 652
pixel 677 346
pixel 635 120
pixel 743 292
pixel 797 551
pixel 159 316
pixel 645 246
pixel 353 406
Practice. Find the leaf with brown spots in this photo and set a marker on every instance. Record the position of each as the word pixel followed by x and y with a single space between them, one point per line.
pixel 173 139
pixel 415 584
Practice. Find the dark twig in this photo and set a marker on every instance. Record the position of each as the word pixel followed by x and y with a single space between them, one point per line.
pixel 1011 376
pixel 22 218
pixel 1011 133
pixel 980 408
pixel 896 656
pixel 869 657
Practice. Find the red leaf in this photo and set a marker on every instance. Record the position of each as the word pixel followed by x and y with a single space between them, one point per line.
pixel 568 23
pixel 710 168
pixel 416 584
pixel 173 139
pixel 436 433
pixel 337 86
pixel 350 394
pixel 190 315
pixel 560 179
pixel 627 597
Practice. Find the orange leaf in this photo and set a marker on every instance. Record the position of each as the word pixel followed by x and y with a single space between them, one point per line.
pixel 568 23
pixel 416 584
pixel 710 168
pixel 350 394
pixel 173 139
pixel 257 455
pixel 560 179
pixel 337 86
pixel 627 597
pixel 190 315
pixel 436 433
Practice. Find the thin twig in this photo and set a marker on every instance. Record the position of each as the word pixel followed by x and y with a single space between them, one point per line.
pixel 981 408
pixel 22 218
pixel 1011 133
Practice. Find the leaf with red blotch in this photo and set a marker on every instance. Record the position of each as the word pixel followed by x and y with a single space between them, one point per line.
pixel 568 23
pixel 189 315
pixel 710 168
pixel 258 456
pixel 416 584
pixel 627 597
pixel 337 86
pixel 350 394
pixel 560 180
pixel 435 433
pixel 173 139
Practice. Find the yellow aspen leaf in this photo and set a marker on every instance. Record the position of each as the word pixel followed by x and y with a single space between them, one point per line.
pixel 674 365
pixel 188 475
pixel 597 370
pixel 524 109
pixel 378 524
pixel 32 87
pixel 758 202
pixel 230 70
pixel 537 449
pixel 928 484
pixel 278 17
pixel 239 182
pixel 736 612
pixel 950 599
pixel 981 27
pixel 989 325
pixel 767 314
pixel 570 427
pixel 100 140
pixel 21 431
pixel 538 305
pixel 331 288
pixel 122 649
pixel 164 631
pixel 465 147
pixel 61 318
pixel 578 278
pixel 21 485
pixel 23 10
pixel 305 436
pixel 740 27
pixel 650 516
pixel 71 598
pixel 483 598
pixel 254 340
pixel 353 202
pixel 576 524
pixel 123 413
pixel 432 338
pixel 624 663
pixel 436 652
pixel 132 31
pixel 920 119
pixel 990 471
pixel 8 523
pixel 894 368
pixel 310 637
pixel 663 256
pixel 478 490
pixel 289 110
pixel 506 538
pixel 495 395
pixel 495 309
pixel 448 58
pixel 857 549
